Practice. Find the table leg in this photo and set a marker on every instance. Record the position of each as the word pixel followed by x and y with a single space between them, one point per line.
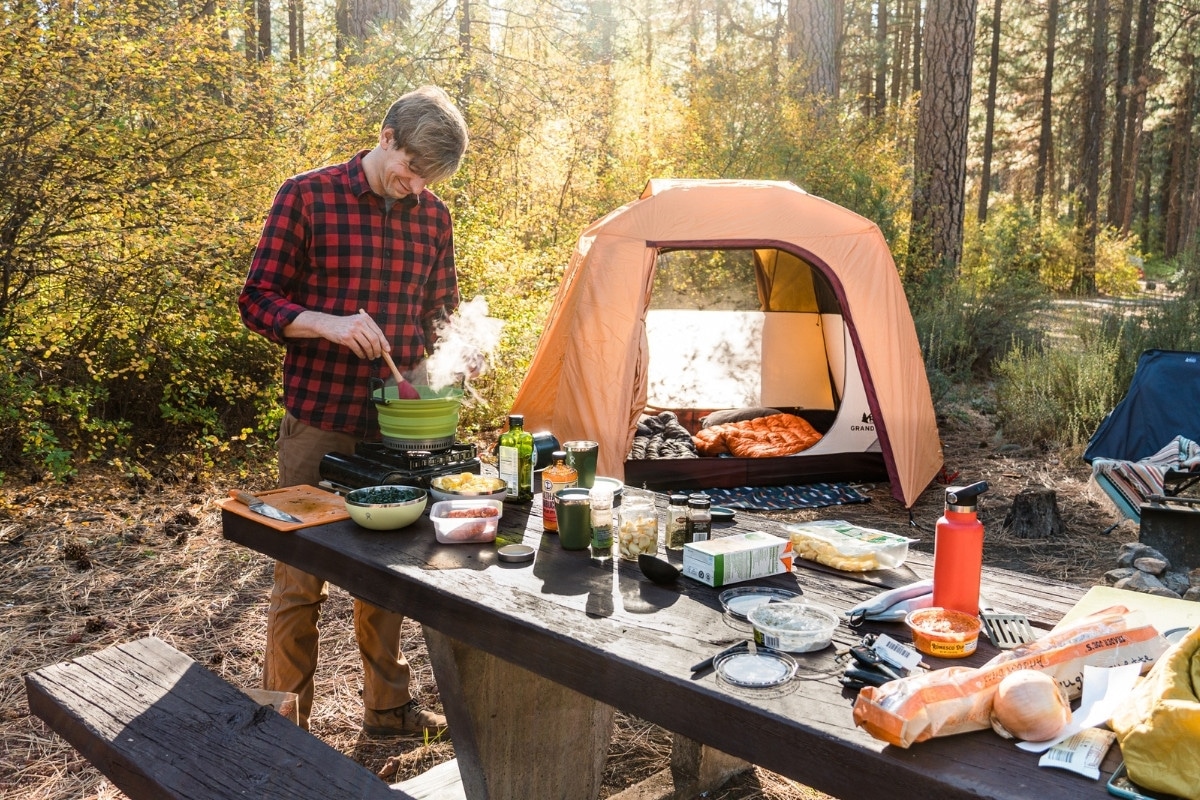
pixel 516 734
pixel 695 770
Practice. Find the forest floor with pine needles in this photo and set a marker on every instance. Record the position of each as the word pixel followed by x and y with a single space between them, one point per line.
pixel 99 560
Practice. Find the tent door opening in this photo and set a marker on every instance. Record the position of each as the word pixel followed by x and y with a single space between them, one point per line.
pixel 752 328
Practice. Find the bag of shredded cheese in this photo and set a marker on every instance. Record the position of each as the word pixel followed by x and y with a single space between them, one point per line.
pixel 959 699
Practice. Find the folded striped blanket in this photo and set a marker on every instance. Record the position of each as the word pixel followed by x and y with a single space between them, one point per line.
pixel 1130 483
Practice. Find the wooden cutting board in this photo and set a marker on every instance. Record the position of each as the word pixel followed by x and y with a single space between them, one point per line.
pixel 312 505
pixel 1164 613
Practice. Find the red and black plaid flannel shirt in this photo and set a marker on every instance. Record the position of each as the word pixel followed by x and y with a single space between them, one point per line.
pixel 329 244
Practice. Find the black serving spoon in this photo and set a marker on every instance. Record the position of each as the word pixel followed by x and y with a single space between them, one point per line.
pixel 657 570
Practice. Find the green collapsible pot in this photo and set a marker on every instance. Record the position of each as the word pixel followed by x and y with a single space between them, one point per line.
pixel 430 423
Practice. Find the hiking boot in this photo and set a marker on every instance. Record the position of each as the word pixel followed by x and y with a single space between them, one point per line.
pixel 408 719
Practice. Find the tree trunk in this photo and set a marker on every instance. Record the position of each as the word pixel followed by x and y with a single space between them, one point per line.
pixel 1120 109
pixel 1179 156
pixel 1091 146
pixel 264 30
pixel 918 51
pixel 356 20
pixel 814 30
pixel 1189 226
pixel 881 57
pixel 1137 111
pixel 1046 131
pixel 940 151
pixel 985 177
pixel 295 31
pixel 900 50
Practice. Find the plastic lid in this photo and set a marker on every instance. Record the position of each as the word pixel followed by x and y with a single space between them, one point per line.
pixel 516 419
pixel 679 499
pixel 741 601
pixel 758 669
pixel 698 501
pixel 515 552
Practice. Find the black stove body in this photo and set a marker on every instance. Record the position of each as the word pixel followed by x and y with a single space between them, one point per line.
pixel 378 464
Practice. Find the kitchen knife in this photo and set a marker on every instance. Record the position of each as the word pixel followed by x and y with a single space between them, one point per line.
pixel 259 507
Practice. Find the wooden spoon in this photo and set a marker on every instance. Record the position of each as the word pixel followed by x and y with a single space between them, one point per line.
pixel 404 389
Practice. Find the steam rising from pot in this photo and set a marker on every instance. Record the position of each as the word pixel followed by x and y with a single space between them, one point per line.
pixel 466 342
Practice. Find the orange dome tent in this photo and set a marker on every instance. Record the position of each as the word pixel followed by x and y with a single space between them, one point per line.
pixel 780 299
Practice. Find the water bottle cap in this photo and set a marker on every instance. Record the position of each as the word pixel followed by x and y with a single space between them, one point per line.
pixel 965 498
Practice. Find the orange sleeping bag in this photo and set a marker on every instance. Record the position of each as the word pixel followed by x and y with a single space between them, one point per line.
pixel 773 435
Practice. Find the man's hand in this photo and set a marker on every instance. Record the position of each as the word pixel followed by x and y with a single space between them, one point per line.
pixel 357 332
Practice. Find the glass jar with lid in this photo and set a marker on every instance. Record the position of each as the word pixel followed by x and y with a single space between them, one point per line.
pixel 699 518
pixel 638 529
pixel 676 525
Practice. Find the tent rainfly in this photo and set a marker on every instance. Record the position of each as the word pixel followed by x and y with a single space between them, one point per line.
pixel 822 330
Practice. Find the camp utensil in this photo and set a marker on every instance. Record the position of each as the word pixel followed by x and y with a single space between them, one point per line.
pixel 404 389
pixel 656 569
pixel 1006 630
pixel 259 507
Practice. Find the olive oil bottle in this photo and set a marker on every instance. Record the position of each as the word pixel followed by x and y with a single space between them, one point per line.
pixel 515 456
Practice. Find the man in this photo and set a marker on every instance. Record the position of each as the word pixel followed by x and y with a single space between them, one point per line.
pixel 355 260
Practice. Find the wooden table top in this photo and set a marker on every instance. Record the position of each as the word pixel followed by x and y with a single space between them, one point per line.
pixel 607 632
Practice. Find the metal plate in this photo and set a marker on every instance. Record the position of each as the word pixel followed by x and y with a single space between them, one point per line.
pixel 760 669
pixel 722 514
pixel 739 602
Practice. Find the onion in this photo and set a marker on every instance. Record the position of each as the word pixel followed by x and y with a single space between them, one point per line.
pixel 1030 705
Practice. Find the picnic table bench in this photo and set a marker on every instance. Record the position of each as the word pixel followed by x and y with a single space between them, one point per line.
pixel 161 726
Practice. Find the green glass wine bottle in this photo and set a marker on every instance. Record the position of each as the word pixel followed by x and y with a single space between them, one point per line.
pixel 515 456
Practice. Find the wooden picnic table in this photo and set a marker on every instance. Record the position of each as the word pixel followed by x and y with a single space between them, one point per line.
pixel 530 659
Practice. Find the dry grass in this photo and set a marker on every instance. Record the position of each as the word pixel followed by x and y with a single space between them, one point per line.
pixel 99 561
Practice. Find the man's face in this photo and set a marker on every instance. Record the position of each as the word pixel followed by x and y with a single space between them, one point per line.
pixel 397 173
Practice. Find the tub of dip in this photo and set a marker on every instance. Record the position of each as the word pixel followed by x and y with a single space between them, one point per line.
pixel 795 627
pixel 943 632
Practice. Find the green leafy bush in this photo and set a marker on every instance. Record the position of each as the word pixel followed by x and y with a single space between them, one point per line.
pixel 1055 395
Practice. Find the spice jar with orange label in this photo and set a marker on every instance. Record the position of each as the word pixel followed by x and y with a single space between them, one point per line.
pixel 559 475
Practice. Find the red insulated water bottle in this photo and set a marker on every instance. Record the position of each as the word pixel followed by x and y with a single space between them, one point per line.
pixel 958 550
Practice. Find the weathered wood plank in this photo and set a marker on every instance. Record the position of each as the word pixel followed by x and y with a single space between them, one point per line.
pixel 162 727
pixel 436 783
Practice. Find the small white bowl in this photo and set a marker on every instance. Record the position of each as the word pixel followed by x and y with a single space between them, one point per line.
pixel 793 627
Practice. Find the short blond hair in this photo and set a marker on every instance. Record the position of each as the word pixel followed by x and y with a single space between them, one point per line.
pixel 426 123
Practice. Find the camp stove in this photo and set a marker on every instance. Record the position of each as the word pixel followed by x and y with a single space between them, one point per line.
pixel 380 464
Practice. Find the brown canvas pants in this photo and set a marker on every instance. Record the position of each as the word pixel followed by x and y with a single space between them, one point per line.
pixel 292 637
